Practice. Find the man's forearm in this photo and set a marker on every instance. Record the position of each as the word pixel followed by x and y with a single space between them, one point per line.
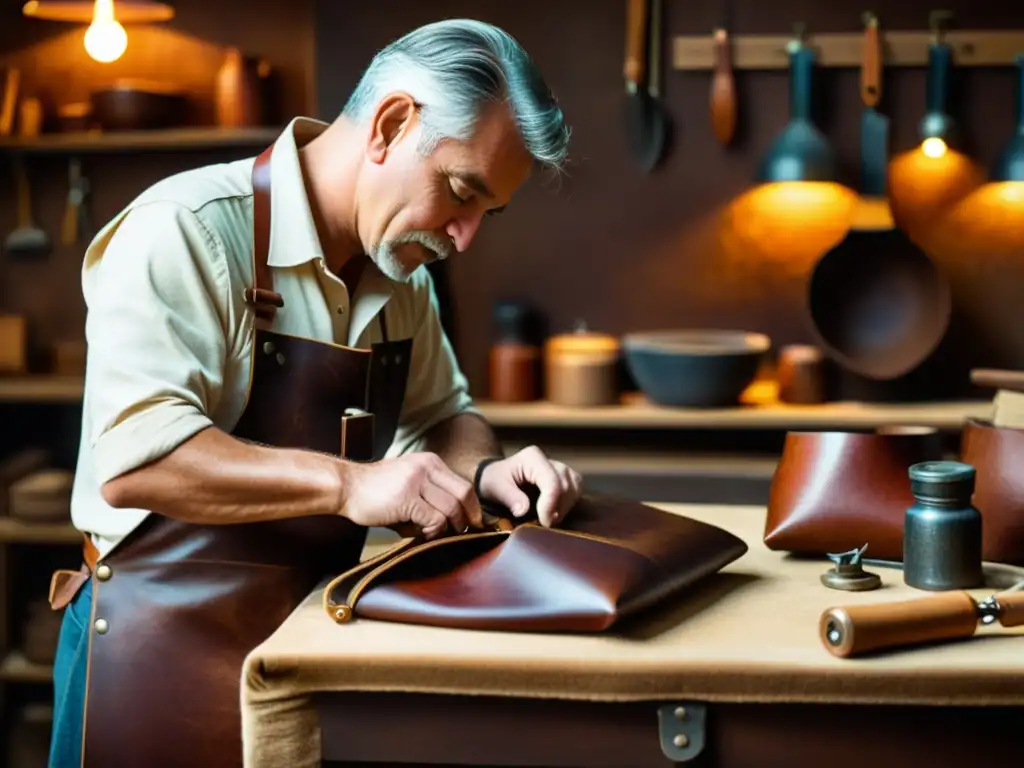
pixel 463 441
pixel 214 478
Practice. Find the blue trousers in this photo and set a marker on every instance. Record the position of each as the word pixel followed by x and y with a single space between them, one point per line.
pixel 69 669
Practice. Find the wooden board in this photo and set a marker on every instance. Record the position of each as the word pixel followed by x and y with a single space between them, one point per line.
pixel 16 668
pixel 636 413
pixel 129 141
pixel 41 389
pixel 971 48
pixel 12 530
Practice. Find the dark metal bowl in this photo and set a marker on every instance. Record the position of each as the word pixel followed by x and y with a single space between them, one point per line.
pixel 694 368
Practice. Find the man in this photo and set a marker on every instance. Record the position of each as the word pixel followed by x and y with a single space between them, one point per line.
pixel 268 376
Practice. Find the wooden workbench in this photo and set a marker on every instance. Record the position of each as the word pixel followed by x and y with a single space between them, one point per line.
pixel 740 655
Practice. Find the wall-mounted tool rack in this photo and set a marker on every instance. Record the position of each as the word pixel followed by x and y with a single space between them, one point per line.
pixel 971 48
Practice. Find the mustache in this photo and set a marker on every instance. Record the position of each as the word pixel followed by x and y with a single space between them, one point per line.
pixel 442 247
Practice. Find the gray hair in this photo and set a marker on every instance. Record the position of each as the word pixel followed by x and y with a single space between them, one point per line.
pixel 453 69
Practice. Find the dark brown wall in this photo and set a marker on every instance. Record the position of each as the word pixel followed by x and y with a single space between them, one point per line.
pixel 628 251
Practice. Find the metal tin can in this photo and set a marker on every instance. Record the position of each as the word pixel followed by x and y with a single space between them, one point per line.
pixel 942 530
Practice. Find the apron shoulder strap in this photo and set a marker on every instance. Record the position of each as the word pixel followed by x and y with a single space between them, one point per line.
pixel 382 319
pixel 261 297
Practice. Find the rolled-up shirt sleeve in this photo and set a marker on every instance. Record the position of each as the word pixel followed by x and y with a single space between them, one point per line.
pixel 437 389
pixel 156 290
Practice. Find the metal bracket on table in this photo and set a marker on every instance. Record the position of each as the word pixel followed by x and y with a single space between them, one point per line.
pixel 682 729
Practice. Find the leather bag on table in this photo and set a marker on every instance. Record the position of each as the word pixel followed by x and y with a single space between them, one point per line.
pixel 997 454
pixel 611 558
pixel 837 491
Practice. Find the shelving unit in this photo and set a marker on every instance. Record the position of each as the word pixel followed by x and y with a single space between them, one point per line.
pixel 177 139
pixel 15 668
pixel 29 550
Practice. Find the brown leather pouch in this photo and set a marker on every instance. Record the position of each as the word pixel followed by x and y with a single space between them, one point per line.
pixel 835 491
pixel 997 454
pixel 64 585
pixel 611 558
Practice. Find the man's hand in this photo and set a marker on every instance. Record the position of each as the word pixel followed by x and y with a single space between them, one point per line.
pixel 417 488
pixel 559 486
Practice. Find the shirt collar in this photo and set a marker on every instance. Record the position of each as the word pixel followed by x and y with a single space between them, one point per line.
pixel 293 237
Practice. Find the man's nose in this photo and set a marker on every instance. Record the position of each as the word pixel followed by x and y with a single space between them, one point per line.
pixel 463 229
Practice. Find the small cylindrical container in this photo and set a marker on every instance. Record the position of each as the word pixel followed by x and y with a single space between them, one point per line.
pixel 801 375
pixel 581 368
pixel 942 530
pixel 514 361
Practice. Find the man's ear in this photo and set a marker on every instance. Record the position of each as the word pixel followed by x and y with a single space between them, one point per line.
pixel 392 121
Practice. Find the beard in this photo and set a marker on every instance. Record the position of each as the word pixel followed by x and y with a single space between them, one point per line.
pixel 385 254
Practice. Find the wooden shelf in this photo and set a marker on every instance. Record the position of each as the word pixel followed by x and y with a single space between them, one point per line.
pixel 17 669
pixel 17 531
pixel 635 413
pixel 971 48
pixel 41 389
pixel 192 139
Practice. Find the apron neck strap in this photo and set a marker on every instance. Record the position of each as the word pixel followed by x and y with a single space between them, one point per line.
pixel 262 297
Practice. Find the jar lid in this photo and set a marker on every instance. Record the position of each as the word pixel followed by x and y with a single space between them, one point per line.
pixel 583 341
pixel 942 479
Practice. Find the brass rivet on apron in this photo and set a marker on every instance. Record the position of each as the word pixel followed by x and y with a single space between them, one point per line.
pixel 341 309
pixel 343 614
pixel 268 347
pixel 680 713
pixel 101 626
pixel 680 741
pixel 280 359
pixel 103 572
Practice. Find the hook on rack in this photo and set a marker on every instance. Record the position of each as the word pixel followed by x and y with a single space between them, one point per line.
pixel 939 22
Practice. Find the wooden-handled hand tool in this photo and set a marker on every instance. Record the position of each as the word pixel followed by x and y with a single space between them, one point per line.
pixel 636 30
pixel 723 90
pixel 871 63
pixel 995 378
pixel 857 629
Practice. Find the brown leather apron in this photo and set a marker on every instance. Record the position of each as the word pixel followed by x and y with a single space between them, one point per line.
pixel 176 607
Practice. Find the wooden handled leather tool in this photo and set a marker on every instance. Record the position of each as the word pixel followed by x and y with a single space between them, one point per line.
pixel 996 378
pixel 723 90
pixel 646 120
pixel 858 629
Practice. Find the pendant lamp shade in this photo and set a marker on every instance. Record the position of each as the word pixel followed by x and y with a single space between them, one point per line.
pixel 81 11
pixel 1009 165
pixel 801 152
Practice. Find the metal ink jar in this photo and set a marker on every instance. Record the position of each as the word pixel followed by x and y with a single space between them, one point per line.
pixel 942 530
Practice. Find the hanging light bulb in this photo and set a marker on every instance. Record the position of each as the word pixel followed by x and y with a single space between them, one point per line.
pixel 105 39
pixel 934 147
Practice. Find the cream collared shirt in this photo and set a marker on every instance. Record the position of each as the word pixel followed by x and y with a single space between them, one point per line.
pixel 169 333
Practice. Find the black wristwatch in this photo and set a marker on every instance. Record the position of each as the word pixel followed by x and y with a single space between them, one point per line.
pixel 480 473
